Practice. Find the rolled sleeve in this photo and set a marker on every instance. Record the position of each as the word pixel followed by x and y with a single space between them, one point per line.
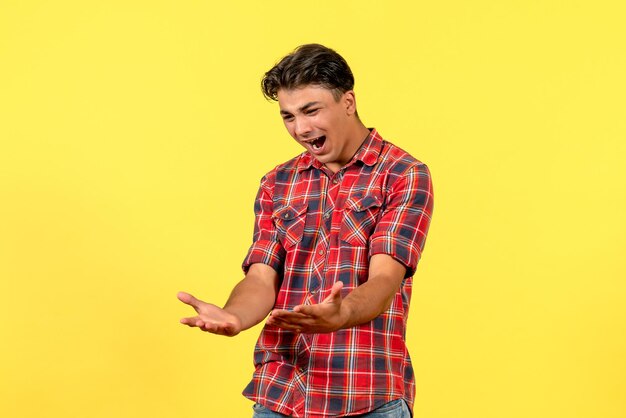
pixel 403 226
pixel 265 248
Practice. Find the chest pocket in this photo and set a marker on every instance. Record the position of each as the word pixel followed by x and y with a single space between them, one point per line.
pixel 359 219
pixel 289 221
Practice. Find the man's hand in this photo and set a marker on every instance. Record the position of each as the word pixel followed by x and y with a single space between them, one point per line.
pixel 210 318
pixel 327 316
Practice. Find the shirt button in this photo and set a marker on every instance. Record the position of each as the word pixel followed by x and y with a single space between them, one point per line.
pixel 286 216
pixel 302 369
pixel 314 292
pixel 335 180
pixel 327 216
pixel 321 252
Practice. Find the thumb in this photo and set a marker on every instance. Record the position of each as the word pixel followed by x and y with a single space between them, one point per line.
pixel 189 300
pixel 335 293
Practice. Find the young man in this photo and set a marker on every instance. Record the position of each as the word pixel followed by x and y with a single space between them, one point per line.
pixel 338 233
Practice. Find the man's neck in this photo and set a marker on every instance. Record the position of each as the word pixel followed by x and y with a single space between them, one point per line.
pixel 357 136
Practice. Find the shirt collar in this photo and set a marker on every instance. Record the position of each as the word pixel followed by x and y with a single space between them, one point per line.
pixel 368 153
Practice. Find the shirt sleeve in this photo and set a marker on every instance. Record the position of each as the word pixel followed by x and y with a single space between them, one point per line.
pixel 403 226
pixel 265 248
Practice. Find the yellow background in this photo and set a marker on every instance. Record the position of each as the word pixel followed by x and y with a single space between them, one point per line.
pixel 133 135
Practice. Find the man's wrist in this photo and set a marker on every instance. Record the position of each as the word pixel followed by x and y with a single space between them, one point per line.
pixel 345 314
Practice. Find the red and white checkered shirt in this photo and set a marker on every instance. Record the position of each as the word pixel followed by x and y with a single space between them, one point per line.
pixel 314 228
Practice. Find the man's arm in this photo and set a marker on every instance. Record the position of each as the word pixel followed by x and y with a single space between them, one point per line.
pixel 249 302
pixel 363 304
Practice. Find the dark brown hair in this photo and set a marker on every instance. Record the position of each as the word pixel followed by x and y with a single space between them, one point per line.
pixel 309 64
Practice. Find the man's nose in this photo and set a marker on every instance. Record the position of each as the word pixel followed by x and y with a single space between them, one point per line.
pixel 302 127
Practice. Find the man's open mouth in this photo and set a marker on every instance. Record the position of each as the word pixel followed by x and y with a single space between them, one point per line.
pixel 318 143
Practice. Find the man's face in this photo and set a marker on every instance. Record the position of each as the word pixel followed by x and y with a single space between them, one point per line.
pixel 319 122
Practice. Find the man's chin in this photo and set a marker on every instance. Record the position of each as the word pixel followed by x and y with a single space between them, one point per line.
pixel 321 158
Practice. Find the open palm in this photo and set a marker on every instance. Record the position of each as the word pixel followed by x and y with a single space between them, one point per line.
pixel 210 318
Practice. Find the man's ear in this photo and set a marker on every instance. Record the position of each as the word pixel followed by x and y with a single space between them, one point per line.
pixel 349 102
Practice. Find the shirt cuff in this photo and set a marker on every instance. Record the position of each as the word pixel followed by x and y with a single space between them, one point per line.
pixel 265 252
pixel 404 251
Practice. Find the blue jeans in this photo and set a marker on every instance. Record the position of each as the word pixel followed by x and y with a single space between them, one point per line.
pixel 393 409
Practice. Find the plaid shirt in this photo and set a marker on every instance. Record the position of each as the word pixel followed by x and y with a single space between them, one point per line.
pixel 316 227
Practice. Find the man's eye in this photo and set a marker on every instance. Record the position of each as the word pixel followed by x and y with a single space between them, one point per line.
pixel 312 111
pixel 287 118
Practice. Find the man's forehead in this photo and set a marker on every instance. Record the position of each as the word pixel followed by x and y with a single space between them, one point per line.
pixel 306 90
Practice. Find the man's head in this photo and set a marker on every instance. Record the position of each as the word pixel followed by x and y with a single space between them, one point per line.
pixel 313 87
pixel 310 64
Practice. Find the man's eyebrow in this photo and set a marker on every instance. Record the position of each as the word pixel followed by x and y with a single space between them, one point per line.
pixel 302 108
pixel 308 105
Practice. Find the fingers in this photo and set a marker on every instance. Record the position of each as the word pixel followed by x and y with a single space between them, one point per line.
pixel 299 323
pixel 289 319
pixel 307 310
pixel 192 321
pixel 221 328
pixel 287 316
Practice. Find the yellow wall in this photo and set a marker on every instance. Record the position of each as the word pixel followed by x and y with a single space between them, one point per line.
pixel 133 135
